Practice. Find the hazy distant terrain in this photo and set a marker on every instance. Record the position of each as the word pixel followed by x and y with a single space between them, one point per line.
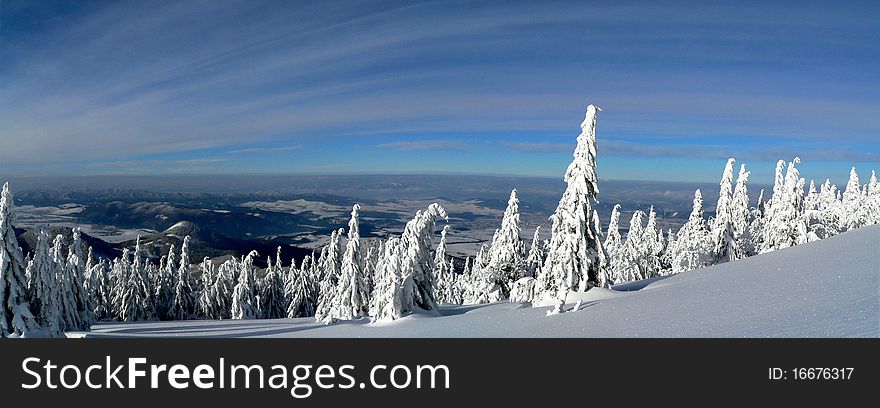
pixel 234 212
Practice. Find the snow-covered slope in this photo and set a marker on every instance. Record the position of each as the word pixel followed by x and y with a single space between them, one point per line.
pixel 829 288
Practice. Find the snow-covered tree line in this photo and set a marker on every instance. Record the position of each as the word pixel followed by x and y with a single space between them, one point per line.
pixel 52 290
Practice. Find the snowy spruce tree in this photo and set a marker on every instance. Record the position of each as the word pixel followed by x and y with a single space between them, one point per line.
pixel 386 302
pixel 506 253
pixel 43 288
pixel 67 292
pixel 873 199
pixel 418 263
pixel 722 230
pixel 635 250
pixel 614 246
pixel 785 221
pixel 739 216
pixel 573 255
pixel 183 302
pixel 330 268
pixel 444 275
pixel 652 240
pixel 16 319
pixel 693 245
pixel 131 299
pixel 855 214
pixel 272 300
pixel 349 298
pixel 536 254
pixel 244 298
pixel 164 285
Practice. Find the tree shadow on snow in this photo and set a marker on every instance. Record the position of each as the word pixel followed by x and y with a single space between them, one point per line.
pixel 455 310
pixel 638 285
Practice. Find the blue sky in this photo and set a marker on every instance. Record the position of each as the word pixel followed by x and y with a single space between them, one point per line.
pixel 156 87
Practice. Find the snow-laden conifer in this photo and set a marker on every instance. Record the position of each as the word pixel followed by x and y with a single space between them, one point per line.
pixel 573 253
pixel 506 252
pixel 244 300
pixel 43 288
pixel 183 302
pixel 722 229
pixel 693 245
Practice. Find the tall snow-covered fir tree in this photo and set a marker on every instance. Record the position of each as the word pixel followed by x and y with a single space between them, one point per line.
pixel 244 300
pixel 43 288
pixel 635 249
pixel 573 255
pixel 350 299
pixel 330 267
pixel 873 199
pixel 652 239
pixel 164 284
pixel 506 253
pixel 854 208
pixel 614 246
pixel 132 300
pixel 272 300
pixel 183 302
pixel 739 216
pixel 723 235
pixel 16 319
pixel 76 267
pixel 67 293
pixel 418 242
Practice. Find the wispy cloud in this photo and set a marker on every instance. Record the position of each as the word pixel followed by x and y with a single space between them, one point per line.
pixel 414 145
pixel 543 147
pixel 274 149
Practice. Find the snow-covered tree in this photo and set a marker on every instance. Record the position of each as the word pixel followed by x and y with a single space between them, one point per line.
pixel 386 301
pixel 244 300
pixel 573 255
pixel 536 254
pixel 693 245
pixel 722 230
pixel 853 204
pixel 43 288
pixel 506 263
pixel 418 264
pixel 272 299
pixel 67 292
pixel 301 290
pixel 76 270
pixel 351 299
pixel 183 302
pixel 164 284
pixel 652 240
pixel 16 319
pixel 101 289
pixel 132 300
pixel 739 216
pixel 331 268
pixel 873 199
pixel 444 275
pixel 614 246
pixel 785 223
pixel 635 250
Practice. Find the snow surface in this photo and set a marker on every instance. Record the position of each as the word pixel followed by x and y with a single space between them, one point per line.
pixel 828 288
